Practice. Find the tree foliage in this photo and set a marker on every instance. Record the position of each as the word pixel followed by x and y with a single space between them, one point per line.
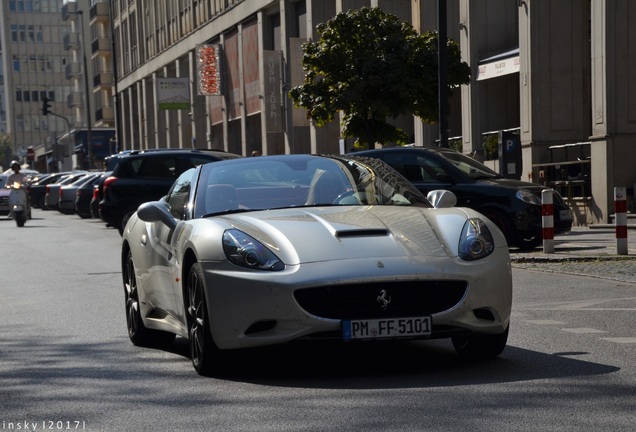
pixel 6 151
pixel 370 67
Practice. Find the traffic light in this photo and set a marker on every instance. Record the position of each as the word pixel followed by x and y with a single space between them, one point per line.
pixel 46 106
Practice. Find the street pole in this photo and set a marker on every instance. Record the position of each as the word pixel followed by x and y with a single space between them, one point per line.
pixel 442 63
pixel 89 130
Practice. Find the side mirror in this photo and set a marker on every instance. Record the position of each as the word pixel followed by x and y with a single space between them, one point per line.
pixel 442 198
pixel 156 211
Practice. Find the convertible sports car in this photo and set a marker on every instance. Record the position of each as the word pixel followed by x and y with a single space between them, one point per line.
pixel 266 250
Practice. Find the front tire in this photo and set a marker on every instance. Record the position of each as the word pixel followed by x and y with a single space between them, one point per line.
pixel 124 220
pixel 20 218
pixel 138 333
pixel 203 350
pixel 503 222
pixel 480 346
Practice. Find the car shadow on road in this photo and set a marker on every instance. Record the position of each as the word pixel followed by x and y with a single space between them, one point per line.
pixel 370 365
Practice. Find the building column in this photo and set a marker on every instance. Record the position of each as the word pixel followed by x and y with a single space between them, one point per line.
pixel 471 130
pixel 613 110
pixel 554 77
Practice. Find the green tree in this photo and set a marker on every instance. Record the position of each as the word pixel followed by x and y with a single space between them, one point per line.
pixel 371 67
pixel 6 151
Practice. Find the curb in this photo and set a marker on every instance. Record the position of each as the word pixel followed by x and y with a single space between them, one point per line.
pixel 553 258
pixel 609 226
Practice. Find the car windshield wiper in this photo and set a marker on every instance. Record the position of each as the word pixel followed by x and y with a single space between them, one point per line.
pixel 228 211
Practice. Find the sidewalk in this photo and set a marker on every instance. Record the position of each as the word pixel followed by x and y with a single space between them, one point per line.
pixel 593 242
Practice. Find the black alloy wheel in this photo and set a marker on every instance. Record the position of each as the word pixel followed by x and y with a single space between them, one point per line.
pixel 203 350
pixel 138 333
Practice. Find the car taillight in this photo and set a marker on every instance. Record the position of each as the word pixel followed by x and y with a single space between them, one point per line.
pixel 109 181
pixel 48 189
pixel 61 191
pixel 95 192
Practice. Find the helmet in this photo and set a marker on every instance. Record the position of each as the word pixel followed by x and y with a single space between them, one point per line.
pixel 14 163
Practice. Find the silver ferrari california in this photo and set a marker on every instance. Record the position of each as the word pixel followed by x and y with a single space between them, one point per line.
pixel 267 250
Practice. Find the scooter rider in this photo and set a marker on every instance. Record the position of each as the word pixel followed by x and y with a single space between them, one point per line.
pixel 17 176
pixel 21 178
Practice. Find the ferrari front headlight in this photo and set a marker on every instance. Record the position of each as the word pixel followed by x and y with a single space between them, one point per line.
pixel 245 251
pixel 476 241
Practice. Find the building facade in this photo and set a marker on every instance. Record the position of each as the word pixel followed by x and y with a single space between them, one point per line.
pixel 89 45
pixel 552 78
pixel 57 51
pixel 33 61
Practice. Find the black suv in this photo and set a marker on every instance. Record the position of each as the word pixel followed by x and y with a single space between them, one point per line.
pixel 513 205
pixel 142 176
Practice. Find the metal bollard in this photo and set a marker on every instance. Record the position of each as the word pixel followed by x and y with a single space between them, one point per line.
pixel 620 219
pixel 547 220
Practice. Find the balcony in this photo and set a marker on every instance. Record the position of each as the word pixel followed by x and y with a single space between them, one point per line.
pixel 73 70
pixel 71 41
pixel 100 12
pixel 69 10
pixel 103 79
pixel 101 46
pixel 75 100
pixel 105 116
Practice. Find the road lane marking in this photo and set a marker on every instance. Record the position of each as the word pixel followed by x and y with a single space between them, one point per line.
pixel 621 340
pixel 583 330
pixel 546 322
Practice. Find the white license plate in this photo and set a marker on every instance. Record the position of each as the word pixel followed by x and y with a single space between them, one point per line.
pixel 387 328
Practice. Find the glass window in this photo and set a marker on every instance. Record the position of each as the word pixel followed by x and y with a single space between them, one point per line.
pixel 158 167
pixel 178 195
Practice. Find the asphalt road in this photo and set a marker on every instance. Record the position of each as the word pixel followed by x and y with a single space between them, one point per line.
pixel 65 357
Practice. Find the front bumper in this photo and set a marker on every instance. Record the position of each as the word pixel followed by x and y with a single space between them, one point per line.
pixel 249 309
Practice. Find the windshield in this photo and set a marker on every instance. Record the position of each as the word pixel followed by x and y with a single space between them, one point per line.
pixel 476 170
pixel 274 182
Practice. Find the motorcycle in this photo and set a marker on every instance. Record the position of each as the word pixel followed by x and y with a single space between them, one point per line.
pixel 18 205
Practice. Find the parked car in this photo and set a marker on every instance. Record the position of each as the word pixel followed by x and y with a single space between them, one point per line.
pixel 4 195
pixel 67 193
pixel 37 190
pixel 273 249
pixel 98 194
pixel 84 196
pixel 144 176
pixel 52 195
pixel 513 205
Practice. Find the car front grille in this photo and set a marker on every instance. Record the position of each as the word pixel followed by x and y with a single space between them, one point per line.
pixel 382 299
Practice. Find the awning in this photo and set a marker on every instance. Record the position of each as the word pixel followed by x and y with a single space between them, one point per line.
pixel 502 64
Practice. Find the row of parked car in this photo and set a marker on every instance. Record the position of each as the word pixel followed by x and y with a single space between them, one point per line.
pixel 134 177
pixel 130 179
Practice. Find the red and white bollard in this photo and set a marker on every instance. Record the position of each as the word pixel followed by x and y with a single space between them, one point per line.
pixel 620 219
pixel 547 220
